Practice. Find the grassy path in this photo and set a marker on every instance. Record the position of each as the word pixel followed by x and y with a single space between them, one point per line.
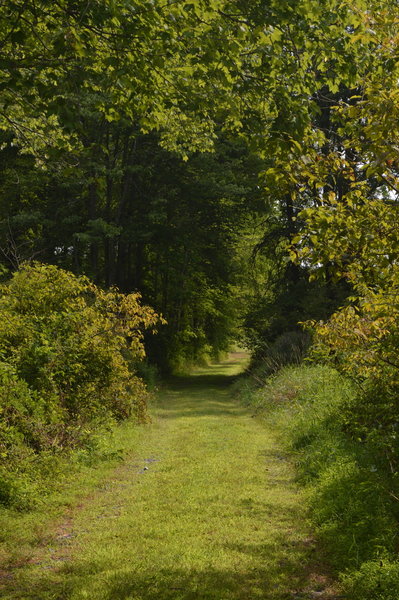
pixel 204 509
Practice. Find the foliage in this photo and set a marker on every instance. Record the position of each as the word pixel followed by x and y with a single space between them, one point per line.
pixel 330 173
pixel 131 58
pixel 102 87
pixel 344 182
pixel 109 112
pixel 174 233
pixel 351 495
pixel 375 580
pixel 66 348
pixel 137 60
pixel 289 348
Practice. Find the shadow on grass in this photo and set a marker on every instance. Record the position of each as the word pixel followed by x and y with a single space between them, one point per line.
pixel 202 382
pixel 217 375
pixel 180 408
pixel 199 396
pixel 279 570
pixel 204 393
pixel 281 580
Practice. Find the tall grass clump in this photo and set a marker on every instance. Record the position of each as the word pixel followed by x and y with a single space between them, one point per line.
pixel 66 355
pixel 289 348
pixel 353 494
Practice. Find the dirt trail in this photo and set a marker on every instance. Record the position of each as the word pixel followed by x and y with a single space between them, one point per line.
pixel 205 509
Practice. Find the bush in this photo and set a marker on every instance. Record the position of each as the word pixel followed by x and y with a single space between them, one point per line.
pixel 67 350
pixel 148 373
pixel 375 580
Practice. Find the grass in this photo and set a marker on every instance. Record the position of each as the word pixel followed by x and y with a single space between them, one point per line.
pixel 352 498
pixel 22 533
pixel 203 508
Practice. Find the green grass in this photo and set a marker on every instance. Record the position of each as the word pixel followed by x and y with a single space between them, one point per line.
pixel 204 507
pixel 23 532
pixel 352 499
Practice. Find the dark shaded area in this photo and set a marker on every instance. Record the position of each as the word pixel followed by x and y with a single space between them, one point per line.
pixel 217 375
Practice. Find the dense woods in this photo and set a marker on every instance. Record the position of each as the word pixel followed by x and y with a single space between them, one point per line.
pixel 234 164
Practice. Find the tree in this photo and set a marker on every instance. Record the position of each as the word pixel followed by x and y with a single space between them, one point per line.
pixel 352 234
pixel 91 93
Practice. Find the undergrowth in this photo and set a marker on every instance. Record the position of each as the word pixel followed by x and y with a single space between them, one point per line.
pixel 68 356
pixel 62 480
pixel 352 494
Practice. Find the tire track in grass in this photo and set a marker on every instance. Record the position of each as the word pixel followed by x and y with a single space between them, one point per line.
pixel 205 509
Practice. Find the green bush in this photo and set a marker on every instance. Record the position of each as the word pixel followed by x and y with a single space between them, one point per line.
pixel 375 580
pixel 66 355
pixel 148 373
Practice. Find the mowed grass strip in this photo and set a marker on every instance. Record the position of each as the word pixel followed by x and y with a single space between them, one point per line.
pixel 205 508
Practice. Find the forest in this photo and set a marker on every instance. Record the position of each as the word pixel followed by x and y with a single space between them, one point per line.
pixel 181 176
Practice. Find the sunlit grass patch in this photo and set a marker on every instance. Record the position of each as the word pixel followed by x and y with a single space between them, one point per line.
pixel 204 508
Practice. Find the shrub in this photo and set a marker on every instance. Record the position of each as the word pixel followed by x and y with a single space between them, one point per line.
pixel 375 580
pixel 67 350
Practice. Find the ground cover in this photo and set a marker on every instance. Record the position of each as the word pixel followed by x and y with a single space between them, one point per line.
pixel 350 490
pixel 204 507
